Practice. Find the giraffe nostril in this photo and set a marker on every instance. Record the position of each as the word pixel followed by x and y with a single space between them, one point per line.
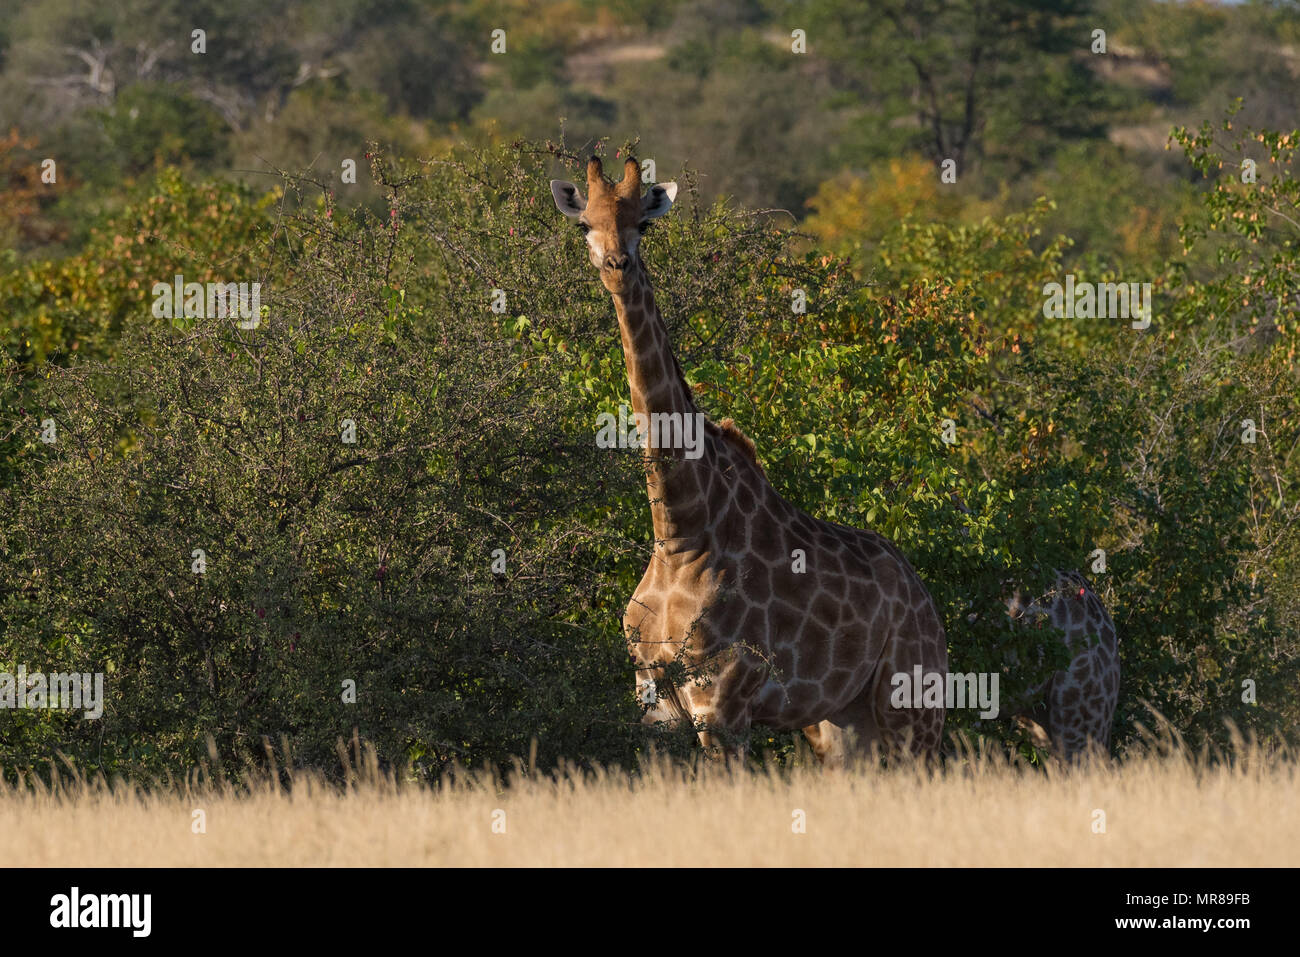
pixel 616 262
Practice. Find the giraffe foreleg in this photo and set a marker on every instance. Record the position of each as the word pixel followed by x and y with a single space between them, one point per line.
pixel 847 737
pixel 731 744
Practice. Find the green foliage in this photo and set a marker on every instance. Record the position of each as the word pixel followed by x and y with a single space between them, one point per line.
pixel 477 427
pixel 83 303
pixel 326 561
pixel 155 124
pixel 952 75
pixel 109 89
pixel 1073 435
pixel 1244 303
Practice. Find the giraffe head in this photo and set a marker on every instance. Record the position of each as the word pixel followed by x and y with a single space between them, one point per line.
pixel 1020 607
pixel 613 217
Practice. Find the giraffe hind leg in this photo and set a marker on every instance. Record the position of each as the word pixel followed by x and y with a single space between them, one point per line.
pixel 915 731
pixel 828 743
pixel 1038 736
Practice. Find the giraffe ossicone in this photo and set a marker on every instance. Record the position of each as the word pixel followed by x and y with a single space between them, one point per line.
pixel 814 648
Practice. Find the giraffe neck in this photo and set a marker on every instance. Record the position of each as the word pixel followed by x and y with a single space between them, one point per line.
pixel 653 374
pixel 675 481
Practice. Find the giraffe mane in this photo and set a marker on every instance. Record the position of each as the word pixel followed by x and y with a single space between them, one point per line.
pixel 677 367
pixel 732 433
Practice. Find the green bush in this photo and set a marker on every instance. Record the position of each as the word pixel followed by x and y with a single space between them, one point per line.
pixel 373 562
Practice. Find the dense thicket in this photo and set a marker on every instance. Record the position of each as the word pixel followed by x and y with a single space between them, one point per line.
pixel 465 562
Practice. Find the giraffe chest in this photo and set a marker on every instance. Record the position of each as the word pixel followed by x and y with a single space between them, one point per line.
pixel 710 602
pixel 677 601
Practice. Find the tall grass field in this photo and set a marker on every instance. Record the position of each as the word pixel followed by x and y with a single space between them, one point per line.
pixel 1163 808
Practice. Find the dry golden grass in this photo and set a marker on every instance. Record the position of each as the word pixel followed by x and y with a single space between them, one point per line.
pixel 1160 810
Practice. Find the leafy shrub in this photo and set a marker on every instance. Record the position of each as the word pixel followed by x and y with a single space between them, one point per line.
pixel 328 562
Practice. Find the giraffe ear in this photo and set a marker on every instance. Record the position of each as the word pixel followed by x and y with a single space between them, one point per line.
pixel 658 199
pixel 567 198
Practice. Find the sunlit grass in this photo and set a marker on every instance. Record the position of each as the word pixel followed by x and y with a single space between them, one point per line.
pixel 1163 807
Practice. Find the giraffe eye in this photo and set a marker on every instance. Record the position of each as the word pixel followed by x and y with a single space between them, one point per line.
pixel 642 226
pixel 584 228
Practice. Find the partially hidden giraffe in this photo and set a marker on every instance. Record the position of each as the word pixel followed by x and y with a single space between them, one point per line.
pixel 1071 712
pixel 798 623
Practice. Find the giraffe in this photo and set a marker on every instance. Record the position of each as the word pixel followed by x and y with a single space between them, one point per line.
pixel 1076 705
pixel 798 623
